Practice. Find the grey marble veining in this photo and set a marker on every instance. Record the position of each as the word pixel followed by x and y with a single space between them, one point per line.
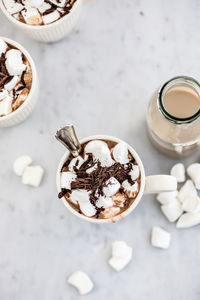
pixel 100 78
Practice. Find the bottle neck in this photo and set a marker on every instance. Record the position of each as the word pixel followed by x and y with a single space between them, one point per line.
pixel 183 82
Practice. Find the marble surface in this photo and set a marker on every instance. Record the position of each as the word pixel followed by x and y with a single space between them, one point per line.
pixel 100 78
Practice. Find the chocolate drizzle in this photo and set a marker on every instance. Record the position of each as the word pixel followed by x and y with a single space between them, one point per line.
pixel 4 75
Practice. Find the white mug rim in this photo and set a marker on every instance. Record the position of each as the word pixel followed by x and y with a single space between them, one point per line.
pixel 36 27
pixel 34 77
pixel 131 207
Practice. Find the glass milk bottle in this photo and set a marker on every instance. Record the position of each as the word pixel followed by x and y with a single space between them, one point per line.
pixel 173 117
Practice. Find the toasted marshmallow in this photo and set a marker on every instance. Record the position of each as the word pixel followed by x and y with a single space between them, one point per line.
pixel 3 94
pixel 121 255
pixel 187 191
pixel 110 212
pixel 112 187
pixel 66 179
pixel 3 46
pixel 100 152
pixel 119 199
pixel 14 63
pixel 42 8
pixel 130 189
pixel 33 175
pixel 81 281
pixel 87 209
pixel 172 210
pixel 188 220
pixel 12 6
pixel 75 162
pixel 194 172
pixel 21 163
pixel 12 83
pixel 80 196
pixel 120 153
pixel 135 172
pixel 6 106
pixel 50 18
pixel 104 202
pixel 160 238
pixel 166 197
pixel 178 171
pixel 32 16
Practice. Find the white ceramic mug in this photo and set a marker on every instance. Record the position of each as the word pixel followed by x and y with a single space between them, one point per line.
pixel 149 184
pixel 51 32
pixel 24 110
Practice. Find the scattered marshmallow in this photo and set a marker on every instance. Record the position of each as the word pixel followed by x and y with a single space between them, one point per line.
pixel 191 204
pixel 3 46
pixel 3 94
pixel 187 191
pixel 21 163
pixel 178 171
pixel 166 197
pixel 14 63
pixel 135 172
pixel 100 152
pixel 66 179
pixel 50 18
pixel 121 255
pixel 104 202
pixel 194 172
pixel 120 153
pixel 75 162
pixel 188 220
pixel 33 175
pixel 172 210
pixel 160 183
pixel 81 281
pixel 112 186
pixel 160 238
pixel 12 83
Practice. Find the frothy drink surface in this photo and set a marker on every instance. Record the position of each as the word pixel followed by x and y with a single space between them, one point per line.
pixel 181 102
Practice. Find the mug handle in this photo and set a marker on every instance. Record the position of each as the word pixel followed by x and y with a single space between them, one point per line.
pixel 156 184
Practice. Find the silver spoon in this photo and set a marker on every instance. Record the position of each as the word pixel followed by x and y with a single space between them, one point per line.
pixel 67 136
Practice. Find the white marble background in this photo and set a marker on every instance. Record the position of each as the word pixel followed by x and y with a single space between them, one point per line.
pixel 101 78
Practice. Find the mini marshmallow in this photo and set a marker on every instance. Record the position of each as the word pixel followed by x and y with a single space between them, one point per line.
pixel 87 209
pixel 135 172
pixel 3 46
pixel 50 18
pixel 104 202
pixel 112 186
pixel 121 255
pixel 166 197
pixel 21 163
pixel 130 188
pixel 3 94
pixel 120 153
pixel 75 162
pixel 42 8
pixel 172 210
pixel 12 6
pixel 160 238
pixel 178 171
pixel 160 183
pixel 14 63
pixel 194 172
pixel 100 151
pixel 33 175
pixel 66 179
pixel 188 220
pixel 6 106
pixel 81 281
pixel 12 83
pixel 32 16
pixel 187 191
pixel 80 196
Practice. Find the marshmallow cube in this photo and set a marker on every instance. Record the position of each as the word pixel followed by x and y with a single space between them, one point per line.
pixel 104 202
pixel 75 162
pixel 32 175
pixel 178 171
pixel 112 187
pixel 135 172
pixel 191 204
pixel 3 46
pixel 166 197
pixel 172 210
pixel 160 238
pixel 100 152
pixel 121 255
pixel 194 172
pixel 3 94
pixel 50 18
pixel 187 191
pixel 160 183
pixel 87 209
pixel 120 153
pixel 12 83
pixel 21 163
pixel 188 220
pixel 66 179
pixel 6 106
pixel 14 63
pixel 81 281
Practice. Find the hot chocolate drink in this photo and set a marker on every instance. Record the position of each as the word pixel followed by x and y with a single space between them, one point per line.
pixel 103 181
pixel 38 12
pixel 15 78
